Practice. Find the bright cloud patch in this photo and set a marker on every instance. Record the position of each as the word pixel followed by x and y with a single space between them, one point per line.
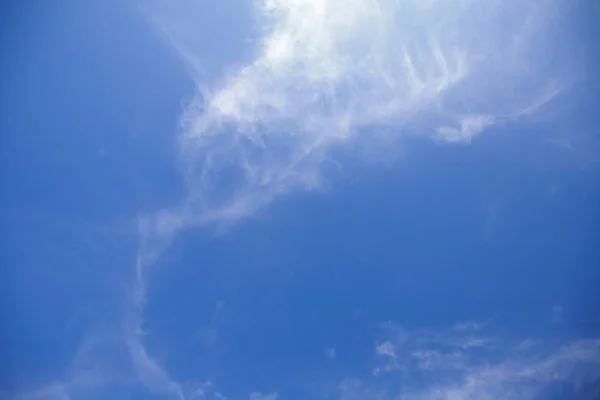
pixel 332 72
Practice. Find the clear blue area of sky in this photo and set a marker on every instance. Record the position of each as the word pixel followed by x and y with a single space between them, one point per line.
pixel 506 227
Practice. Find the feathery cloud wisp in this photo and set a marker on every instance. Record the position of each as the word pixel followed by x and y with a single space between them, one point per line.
pixel 437 365
pixel 332 72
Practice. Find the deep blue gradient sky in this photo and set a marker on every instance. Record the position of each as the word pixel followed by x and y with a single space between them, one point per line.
pixel 294 299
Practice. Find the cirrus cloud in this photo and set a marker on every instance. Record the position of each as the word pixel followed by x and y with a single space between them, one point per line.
pixel 340 74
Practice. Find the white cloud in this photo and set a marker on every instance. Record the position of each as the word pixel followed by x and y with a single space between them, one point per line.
pixel 332 72
pixel 437 365
pixel 386 349
pixel 152 376
pixel 468 127
pixel 521 378
pixel 329 73
pixel 104 363
pixel 469 326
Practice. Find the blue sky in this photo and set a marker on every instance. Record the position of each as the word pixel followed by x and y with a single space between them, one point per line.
pixel 293 199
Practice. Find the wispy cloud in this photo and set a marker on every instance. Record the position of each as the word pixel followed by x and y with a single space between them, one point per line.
pixel 209 333
pixel 262 396
pixel 100 366
pixel 410 364
pixel 438 365
pixel 387 349
pixel 56 391
pixel 328 76
pixel 332 73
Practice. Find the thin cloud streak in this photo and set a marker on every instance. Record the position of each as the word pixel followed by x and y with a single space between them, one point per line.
pixel 431 365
